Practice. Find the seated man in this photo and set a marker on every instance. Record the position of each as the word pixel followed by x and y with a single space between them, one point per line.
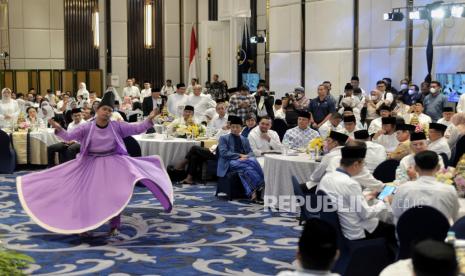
pixel 403 137
pixel 250 123
pixel 187 115
pixel 195 158
pixel 376 124
pixel 220 119
pixel 376 153
pixel 406 170
pixel 69 149
pixel 418 117
pixel 426 190
pixel 437 141
pixel 235 155
pixel 299 136
pixel 350 126
pixel 263 139
pixel 429 258
pixel 386 136
pixel 332 150
pixel 447 113
pixel 333 124
pixel 317 250
pixel 364 221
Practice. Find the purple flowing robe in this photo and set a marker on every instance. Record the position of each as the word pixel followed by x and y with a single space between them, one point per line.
pixel 83 194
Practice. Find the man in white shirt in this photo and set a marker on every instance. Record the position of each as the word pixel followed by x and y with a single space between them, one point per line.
pixel 426 191
pixel 93 97
pixel 406 170
pixel 386 136
pixel 376 124
pixel 376 153
pixel 447 113
pixel 333 124
pixel 146 92
pixel 190 88
pixel 418 117
pixel 168 89
pixel 130 90
pixel 69 149
pixel 200 102
pixel 278 110
pixel 178 100
pixel 186 115
pixel 263 139
pixel 332 149
pixel 63 105
pixel 350 126
pixel 362 221
pixel 355 81
pixel 317 250
pixel 437 141
pixel 220 120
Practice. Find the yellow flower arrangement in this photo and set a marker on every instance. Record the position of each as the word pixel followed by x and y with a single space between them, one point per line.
pixel 316 144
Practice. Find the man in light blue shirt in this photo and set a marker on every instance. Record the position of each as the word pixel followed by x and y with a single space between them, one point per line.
pixel 302 134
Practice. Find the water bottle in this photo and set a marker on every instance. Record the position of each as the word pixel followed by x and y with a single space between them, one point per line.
pixel 450 239
pixel 286 147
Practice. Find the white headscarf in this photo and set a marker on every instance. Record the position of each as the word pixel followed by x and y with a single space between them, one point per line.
pixel 83 91
pixel 4 98
pixel 46 111
pixel 113 90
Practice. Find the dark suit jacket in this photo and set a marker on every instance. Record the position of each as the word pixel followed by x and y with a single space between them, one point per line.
pixel 269 102
pixel 147 105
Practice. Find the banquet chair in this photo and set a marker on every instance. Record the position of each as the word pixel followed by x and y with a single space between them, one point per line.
pixel 417 224
pixel 132 147
pixel 280 126
pixel 354 254
pixel 459 228
pixel 305 214
pixel 386 171
pixel 230 185
pixel 7 154
pixel 445 159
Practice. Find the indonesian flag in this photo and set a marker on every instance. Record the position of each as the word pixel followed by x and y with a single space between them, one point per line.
pixel 192 56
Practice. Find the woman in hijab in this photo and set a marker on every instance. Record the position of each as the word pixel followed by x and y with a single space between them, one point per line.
pixel 9 108
pixel 32 117
pixel 115 93
pixel 82 92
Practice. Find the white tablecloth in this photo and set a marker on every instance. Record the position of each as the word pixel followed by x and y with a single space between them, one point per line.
pixel 46 136
pixel 278 171
pixel 171 151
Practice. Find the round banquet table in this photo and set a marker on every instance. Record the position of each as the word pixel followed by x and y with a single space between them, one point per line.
pixel 278 171
pixel 33 150
pixel 170 151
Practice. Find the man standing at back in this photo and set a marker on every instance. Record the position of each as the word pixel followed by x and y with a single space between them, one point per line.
pixel 321 107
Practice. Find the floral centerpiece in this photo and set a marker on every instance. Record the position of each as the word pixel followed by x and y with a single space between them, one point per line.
pixel 190 129
pixel 12 263
pixel 452 176
pixel 315 146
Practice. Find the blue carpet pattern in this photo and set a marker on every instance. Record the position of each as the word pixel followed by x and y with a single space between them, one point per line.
pixel 203 235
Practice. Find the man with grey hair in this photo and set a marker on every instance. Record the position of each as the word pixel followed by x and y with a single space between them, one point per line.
pixel 200 102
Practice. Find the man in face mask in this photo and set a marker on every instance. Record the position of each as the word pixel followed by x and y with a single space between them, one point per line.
pixel 435 101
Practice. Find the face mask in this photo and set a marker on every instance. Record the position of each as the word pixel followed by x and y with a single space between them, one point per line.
pixel 411 91
pixel 374 98
pixel 403 86
pixel 433 91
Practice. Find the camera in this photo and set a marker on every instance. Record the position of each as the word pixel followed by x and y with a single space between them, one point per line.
pixel 3 55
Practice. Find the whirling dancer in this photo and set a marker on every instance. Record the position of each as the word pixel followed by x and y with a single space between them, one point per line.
pixel 83 194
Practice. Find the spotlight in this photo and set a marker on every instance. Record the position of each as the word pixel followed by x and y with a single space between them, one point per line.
pixel 395 15
pixel 418 15
pixel 457 11
pixel 3 55
pixel 438 13
pixel 257 39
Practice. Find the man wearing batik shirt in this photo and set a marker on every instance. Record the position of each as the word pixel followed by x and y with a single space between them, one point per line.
pixel 302 134
pixel 242 104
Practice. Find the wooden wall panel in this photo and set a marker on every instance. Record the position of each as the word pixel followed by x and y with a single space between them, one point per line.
pixel 81 76
pixel 45 78
pixel 67 81
pixel 22 82
pixel 9 79
pixel 56 80
pixel 34 80
pixel 95 82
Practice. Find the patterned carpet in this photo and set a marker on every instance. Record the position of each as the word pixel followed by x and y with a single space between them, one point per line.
pixel 202 236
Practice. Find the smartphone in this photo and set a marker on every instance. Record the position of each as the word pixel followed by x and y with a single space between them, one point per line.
pixel 387 190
